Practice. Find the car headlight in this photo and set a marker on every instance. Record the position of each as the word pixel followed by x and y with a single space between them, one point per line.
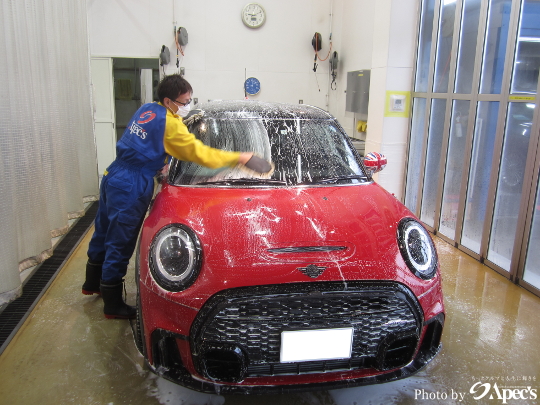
pixel 175 257
pixel 417 248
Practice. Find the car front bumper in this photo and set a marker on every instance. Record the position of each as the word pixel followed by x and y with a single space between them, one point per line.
pixel 233 342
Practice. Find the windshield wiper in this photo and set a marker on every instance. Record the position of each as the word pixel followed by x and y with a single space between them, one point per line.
pixel 243 181
pixel 340 178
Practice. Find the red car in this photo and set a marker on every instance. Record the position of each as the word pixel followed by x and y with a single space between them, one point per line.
pixel 311 278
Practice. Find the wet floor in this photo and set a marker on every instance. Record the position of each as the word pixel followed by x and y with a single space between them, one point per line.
pixel 67 352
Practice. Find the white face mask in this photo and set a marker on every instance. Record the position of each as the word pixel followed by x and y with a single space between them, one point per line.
pixel 183 110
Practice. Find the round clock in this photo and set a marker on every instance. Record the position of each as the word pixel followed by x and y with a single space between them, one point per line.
pixel 252 86
pixel 253 15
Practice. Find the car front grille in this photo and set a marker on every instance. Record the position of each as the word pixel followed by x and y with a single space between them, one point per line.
pixel 386 318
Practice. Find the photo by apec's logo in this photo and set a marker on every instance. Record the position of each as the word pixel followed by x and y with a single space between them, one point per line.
pixel 482 391
pixel 486 390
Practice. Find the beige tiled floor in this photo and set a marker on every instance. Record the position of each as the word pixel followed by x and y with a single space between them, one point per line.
pixel 68 353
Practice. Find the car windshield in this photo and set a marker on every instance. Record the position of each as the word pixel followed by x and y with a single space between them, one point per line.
pixel 303 152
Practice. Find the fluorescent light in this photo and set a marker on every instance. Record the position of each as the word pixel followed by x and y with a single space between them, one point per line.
pixel 528 39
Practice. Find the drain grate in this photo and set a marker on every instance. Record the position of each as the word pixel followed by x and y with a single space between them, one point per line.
pixel 14 314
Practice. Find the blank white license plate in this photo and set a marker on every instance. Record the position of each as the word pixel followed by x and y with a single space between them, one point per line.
pixel 316 344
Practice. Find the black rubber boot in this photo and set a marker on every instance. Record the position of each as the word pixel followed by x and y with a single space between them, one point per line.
pixel 115 307
pixel 93 279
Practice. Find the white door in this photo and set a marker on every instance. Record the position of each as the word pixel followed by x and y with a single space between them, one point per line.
pixel 104 114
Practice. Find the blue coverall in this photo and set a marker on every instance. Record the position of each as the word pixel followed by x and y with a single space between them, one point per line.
pixel 127 186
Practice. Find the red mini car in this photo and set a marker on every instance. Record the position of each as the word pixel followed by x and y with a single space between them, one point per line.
pixel 313 277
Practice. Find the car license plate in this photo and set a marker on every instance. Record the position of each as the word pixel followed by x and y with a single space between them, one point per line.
pixel 316 344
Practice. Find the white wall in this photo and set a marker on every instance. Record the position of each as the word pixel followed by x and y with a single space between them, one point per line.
pixel 353 40
pixel 221 49
pixel 391 70
pixel 367 34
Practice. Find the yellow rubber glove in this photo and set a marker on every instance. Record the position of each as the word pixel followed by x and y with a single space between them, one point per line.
pixel 361 126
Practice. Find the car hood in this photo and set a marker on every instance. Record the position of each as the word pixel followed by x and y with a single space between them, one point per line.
pixel 252 236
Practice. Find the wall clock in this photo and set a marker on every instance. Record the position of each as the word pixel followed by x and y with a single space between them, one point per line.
pixel 253 15
pixel 252 86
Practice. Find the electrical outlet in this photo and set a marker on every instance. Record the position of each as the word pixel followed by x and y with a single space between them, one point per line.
pixel 195 101
pixel 182 71
pixel 300 101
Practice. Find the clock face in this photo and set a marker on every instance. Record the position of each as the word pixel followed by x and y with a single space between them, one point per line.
pixel 253 15
pixel 252 86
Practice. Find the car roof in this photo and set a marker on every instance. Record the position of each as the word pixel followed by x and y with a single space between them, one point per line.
pixel 250 109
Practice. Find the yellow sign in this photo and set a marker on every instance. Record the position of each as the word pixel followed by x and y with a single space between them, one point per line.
pixel 522 98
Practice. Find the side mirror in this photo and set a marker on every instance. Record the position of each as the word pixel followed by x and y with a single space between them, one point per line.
pixel 375 162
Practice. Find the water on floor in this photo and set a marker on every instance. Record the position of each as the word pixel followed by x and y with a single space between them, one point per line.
pixel 67 352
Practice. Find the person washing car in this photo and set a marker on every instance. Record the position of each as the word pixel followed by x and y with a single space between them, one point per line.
pixel 155 132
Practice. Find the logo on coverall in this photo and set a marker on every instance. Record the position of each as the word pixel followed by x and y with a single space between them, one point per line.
pixel 145 117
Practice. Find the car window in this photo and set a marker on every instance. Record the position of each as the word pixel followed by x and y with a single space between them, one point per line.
pixel 303 151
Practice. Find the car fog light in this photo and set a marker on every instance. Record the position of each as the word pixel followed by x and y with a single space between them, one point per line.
pixel 175 257
pixel 417 248
pixel 222 362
